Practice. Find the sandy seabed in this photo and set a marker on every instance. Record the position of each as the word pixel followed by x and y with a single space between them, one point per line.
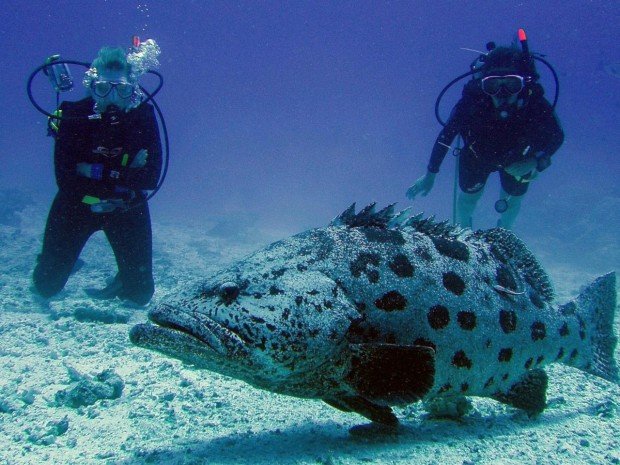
pixel 169 413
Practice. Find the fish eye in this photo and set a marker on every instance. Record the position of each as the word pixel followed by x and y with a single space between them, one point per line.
pixel 228 292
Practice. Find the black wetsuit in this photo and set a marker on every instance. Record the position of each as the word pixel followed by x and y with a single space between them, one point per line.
pixel 492 144
pixel 110 143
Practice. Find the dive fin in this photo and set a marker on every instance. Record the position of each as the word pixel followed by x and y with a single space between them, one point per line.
pixel 529 394
pixel 391 374
pixel 113 289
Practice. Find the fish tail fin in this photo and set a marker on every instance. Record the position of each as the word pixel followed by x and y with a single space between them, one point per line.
pixel 597 304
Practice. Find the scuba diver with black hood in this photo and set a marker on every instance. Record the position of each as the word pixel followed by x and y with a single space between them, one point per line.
pixel 506 125
pixel 107 154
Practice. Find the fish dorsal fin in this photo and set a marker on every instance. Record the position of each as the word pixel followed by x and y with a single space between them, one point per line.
pixel 367 217
pixel 388 218
pixel 430 227
pixel 508 248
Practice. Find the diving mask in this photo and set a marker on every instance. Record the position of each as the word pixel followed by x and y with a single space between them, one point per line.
pixel 511 84
pixel 103 88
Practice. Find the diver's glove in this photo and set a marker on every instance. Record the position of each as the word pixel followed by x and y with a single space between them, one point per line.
pixel 90 170
pixel 422 186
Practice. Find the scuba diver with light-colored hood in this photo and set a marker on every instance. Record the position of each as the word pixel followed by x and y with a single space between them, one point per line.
pixel 107 155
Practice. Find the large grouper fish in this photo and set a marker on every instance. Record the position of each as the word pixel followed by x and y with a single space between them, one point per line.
pixel 382 309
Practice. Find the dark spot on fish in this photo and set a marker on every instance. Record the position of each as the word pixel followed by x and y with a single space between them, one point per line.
pixel 423 254
pixel 256 319
pixel 537 300
pixel 312 292
pixel 373 276
pixel 361 306
pixel 356 330
pixel 540 359
pixel 262 346
pixel 301 267
pixel 451 248
pixel 275 346
pixel 298 300
pixel 489 382
pixel 505 355
pixel 424 342
pixel 438 317
pixel 445 388
pixel 335 292
pixel 248 328
pixel 270 327
pixel 265 275
pixel 467 320
pixel 328 304
pixel 401 266
pixel 453 283
pixel 505 278
pixel 460 360
pixel 314 333
pixel 258 295
pixel 286 313
pixel 528 363
pixel 504 376
pixel 278 273
pixel 271 308
pixel 508 320
pixel 318 307
pixel 568 309
pixel 360 265
pixel 573 354
pixel 488 344
pixel 560 354
pixel 464 387
pixel 538 331
pixel 273 290
pixel 564 331
pixel 582 328
pixel 386 236
pixel 391 301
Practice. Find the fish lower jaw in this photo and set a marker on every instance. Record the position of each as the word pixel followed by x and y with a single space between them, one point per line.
pixel 217 337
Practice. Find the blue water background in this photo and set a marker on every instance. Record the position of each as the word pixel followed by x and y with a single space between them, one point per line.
pixel 284 113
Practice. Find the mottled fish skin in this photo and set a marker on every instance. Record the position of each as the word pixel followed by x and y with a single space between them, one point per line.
pixel 374 311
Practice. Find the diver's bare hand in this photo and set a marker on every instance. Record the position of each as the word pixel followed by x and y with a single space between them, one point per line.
pixel 422 186
pixel 521 168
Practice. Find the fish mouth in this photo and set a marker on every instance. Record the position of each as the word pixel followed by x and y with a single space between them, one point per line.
pixel 173 329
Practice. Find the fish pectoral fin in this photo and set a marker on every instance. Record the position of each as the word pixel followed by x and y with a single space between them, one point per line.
pixel 376 413
pixel 391 374
pixel 529 394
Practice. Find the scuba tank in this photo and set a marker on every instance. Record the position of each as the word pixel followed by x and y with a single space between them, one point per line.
pixel 58 74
